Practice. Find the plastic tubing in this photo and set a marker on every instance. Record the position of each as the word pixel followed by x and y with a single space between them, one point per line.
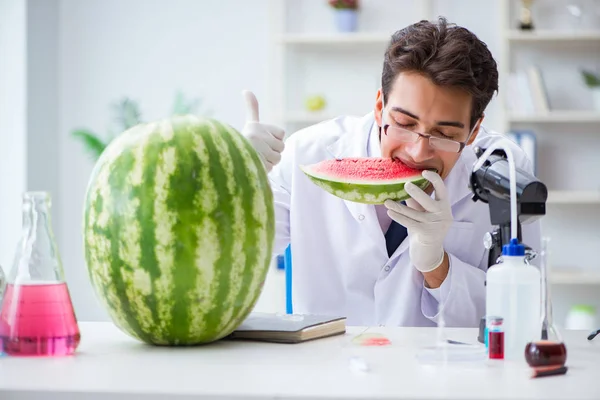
pixel 504 145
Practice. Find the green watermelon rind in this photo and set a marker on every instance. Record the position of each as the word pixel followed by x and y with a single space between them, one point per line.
pixel 365 191
pixel 178 229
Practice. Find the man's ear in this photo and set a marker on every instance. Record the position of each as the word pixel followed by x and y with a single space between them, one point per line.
pixel 476 130
pixel 378 106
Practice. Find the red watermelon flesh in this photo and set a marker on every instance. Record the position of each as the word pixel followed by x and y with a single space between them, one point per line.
pixel 368 169
pixel 370 180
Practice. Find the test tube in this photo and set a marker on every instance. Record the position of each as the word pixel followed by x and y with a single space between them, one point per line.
pixel 496 338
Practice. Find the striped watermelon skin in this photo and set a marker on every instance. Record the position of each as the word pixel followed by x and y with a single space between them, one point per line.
pixel 178 230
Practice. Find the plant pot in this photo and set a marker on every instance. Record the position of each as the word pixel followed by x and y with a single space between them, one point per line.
pixel 346 20
pixel 596 98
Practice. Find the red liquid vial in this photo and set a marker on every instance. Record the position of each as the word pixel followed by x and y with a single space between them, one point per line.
pixel 36 315
pixel 496 339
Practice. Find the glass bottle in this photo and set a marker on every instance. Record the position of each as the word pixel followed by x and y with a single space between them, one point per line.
pixel 37 316
pixel 548 348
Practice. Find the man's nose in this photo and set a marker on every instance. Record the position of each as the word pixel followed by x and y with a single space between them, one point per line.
pixel 419 151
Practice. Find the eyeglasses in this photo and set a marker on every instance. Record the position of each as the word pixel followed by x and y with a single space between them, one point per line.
pixel 436 142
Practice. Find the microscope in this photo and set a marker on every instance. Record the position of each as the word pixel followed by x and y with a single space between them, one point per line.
pixel 491 184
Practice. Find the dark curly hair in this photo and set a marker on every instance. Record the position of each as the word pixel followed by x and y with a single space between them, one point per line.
pixel 447 54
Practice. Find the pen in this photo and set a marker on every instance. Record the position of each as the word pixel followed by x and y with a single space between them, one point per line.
pixel 549 371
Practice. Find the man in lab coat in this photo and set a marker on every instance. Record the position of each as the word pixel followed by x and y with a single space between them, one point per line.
pixel 395 264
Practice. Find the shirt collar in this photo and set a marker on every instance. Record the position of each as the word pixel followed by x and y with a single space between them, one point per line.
pixel 373 145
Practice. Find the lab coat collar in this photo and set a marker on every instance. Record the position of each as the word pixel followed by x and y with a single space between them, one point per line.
pixel 354 142
pixel 354 138
pixel 460 176
pixel 373 144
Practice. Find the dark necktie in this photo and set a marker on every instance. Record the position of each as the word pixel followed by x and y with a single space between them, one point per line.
pixel 395 234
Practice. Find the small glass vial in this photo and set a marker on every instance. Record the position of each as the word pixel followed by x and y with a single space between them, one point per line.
pixel 496 338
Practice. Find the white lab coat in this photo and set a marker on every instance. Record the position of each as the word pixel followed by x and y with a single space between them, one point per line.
pixel 340 264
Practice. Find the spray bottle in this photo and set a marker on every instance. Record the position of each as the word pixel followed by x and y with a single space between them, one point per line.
pixel 513 286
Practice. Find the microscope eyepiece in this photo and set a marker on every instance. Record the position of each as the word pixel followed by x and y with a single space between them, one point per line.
pixel 491 184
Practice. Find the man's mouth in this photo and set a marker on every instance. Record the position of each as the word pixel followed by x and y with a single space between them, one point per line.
pixel 413 165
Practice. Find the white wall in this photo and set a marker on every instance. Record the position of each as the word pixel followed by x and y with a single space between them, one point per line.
pixel 28 112
pixel 84 55
pixel 147 50
pixel 43 143
pixel 13 125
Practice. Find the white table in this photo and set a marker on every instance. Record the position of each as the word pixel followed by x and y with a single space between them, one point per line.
pixel 110 366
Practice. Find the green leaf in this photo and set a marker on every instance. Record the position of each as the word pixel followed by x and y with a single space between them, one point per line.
pixel 181 106
pixel 93 144
pixel 590 79
pixel 127 113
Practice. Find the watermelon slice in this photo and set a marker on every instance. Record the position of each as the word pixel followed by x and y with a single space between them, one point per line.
pixel 369 180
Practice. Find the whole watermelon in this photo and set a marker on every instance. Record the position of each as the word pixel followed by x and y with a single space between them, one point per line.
pixel 178 230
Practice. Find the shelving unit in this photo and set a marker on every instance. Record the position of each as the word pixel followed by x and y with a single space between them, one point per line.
pixel 574 212
pixel 334 39
pixel 551 36
pixel 306 117
pixel 553 117
pixel 288 43
pixel 573 276
pixel 574 197
pixel 566 124
pixel 558 116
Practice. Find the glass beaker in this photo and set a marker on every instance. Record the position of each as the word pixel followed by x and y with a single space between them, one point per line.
pixel 37 316
pixel 445 350
pixel 548 348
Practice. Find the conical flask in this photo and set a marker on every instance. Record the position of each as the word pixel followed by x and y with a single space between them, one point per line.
pixel 547 347
pixel 37 316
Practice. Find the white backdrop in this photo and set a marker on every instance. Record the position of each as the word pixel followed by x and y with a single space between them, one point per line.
pixel 62 62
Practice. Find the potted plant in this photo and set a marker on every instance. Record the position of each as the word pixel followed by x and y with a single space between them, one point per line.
pixel 126 115
pixel 346 14
pixel 592 81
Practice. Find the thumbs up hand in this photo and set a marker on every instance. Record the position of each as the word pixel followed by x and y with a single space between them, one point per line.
pixel 267 140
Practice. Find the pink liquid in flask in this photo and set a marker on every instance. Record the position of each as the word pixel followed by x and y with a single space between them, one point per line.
pixel 37 319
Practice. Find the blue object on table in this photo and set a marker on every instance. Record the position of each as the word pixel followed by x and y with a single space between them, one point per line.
pixel 280 262
pixel 288 279
pixel 485 336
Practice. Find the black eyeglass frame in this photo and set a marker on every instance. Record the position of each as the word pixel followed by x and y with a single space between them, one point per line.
pixel 462 145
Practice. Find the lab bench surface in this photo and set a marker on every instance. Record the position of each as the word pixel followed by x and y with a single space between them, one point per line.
pixel 111 366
